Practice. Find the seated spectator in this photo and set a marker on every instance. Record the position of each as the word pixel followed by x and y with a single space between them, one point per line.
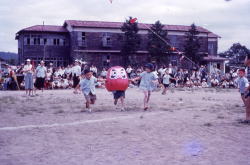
pixel 214 82
pixel 204 84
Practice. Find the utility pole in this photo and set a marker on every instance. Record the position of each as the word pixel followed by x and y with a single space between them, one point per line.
pixel 44 43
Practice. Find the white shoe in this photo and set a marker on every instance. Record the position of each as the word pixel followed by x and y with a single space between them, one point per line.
pixel 89 110
pixel 122 109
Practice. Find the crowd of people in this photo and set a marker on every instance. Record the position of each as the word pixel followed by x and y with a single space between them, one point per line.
pixel 49 77
pixel 148 78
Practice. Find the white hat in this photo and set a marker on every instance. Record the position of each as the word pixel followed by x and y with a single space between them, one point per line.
pixel 50 64
pixel 28 60
pixel 42 62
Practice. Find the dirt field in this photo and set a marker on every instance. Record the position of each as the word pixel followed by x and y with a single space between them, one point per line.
pixel 183 127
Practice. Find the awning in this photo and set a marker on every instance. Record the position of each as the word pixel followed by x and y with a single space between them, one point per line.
pixel 214 58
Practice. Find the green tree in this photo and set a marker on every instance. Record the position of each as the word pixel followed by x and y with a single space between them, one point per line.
pixel 236 53
pixel 131 41
pixel 157 47
pixel 192 44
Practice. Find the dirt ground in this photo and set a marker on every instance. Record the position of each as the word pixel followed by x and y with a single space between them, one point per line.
pixel 183 127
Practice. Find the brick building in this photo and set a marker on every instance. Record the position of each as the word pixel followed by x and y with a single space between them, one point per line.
pixel 100 42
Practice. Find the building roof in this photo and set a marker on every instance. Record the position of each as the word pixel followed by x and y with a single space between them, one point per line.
pixel 112 25
pixel 214 58
pixel 115 25
pixel 44 28
pixel 212 35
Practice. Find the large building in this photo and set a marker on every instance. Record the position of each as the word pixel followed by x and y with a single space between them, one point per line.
pixel 100 42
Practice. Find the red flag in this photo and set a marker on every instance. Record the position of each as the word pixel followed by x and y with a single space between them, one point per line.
pixel 133 20
pixel 173 48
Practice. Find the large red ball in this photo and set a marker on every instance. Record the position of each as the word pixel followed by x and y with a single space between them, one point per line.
pixel 117 79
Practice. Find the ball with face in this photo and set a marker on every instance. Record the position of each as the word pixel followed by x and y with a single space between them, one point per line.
pixel 117 79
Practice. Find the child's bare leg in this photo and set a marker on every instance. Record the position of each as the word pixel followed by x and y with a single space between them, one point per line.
pixel 164 91
pixel 145 99
pixel 149 93
pixel 92 101
pixel 87 104
pixel 122 102
pixel 243 99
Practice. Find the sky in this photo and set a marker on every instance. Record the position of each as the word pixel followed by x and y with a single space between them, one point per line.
pixel 228 19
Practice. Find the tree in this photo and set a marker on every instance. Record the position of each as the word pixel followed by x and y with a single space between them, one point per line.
pixel 192 44
pixel 131 41
pixel 157 47
pixel 236 53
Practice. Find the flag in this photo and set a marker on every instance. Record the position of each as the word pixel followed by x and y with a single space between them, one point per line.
pixel 133 20
pixel 173 48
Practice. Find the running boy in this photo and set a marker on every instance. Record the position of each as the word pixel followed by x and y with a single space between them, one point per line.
pixel 148 83
pixel 87 85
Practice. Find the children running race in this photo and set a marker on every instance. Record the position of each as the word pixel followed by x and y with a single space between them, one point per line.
pixel 148 78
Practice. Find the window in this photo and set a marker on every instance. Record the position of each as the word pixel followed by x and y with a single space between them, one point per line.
pixel 45 41
pixel 56 41
pixel 28 41
pixel 83 36
pixel 174 41
pixel 211 49
pixel 106 40
pixel 64 42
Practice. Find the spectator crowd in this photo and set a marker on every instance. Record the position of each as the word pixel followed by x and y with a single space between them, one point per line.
pixel 13 77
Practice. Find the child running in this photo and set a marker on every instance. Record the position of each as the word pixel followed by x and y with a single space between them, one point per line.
pixel 87 85
pixel 148 83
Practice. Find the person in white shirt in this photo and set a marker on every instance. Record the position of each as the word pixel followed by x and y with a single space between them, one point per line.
pixel 64 83
pixel 76 73
pixel 28 78
pixel 104 73
pixel 93 69
pixel 170 69
pixel 68 71
pixel 41 72
pixel 129 71
pixel 162 71
pixel 214 82
pixel 204 84
pixel 166 82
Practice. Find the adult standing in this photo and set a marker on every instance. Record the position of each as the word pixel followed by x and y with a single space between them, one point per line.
pixel 20 75
pixel 76 73
pixel 41 72
pixel 28 77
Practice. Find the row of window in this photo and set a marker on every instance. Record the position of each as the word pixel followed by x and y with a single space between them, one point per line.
pixel 107 40
pixel 44 41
